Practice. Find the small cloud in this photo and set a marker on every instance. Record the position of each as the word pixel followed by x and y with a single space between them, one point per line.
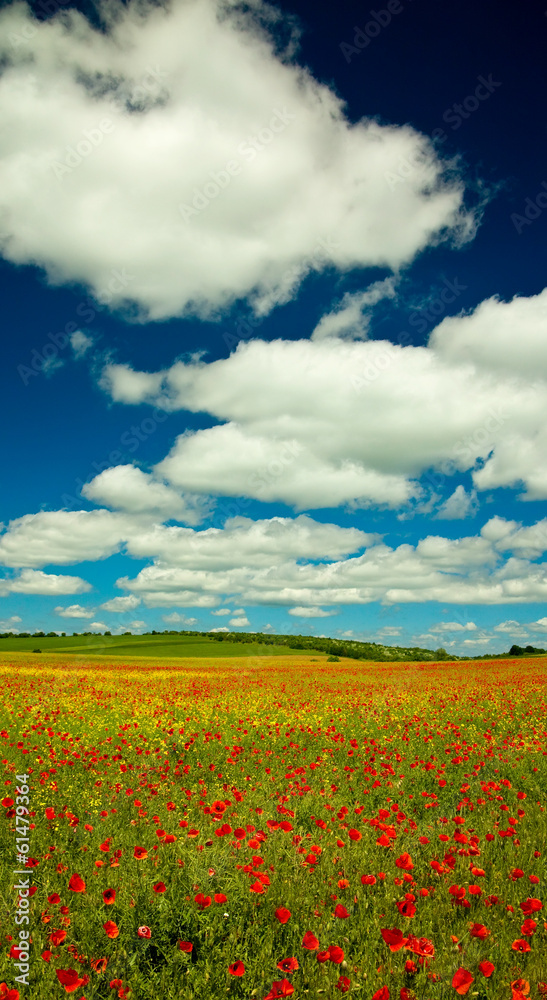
pixel 480 639
pixel 300 612
pixel 74 611
pixel 459 505
pixel 176 619
pixel 239 622
pixel 390 630
pixel 223 628
pixel 238 611
pixel 511 628
pixel 80 343
pixel 222 611
pixel 137 624
pixel 539 626
pixel 454 627
pixel 120 604
pixel 100 626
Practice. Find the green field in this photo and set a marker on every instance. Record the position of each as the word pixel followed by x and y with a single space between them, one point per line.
pixel 140 645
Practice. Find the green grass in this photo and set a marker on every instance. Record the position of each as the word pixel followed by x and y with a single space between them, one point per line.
pixel 140 645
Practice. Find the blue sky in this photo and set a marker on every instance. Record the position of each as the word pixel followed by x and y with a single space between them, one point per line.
pixel 275 322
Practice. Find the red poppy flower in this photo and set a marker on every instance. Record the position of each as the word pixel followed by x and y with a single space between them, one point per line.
pixel 323 956
pixel 109 895
pixel 381 994
pixel 486 968
pixel 336 955
pixel 528 927
pixel 343 984
pixel 111 928
pixel 202 901
pixel 288 965
pixel 520 945
pixel 530 906
pixel 310 942
pixel 76 884
pixel 461 981
pixel 236 969
pixel 281 988
pixel 144 932
pixel 406 908
pixel 354 835
pixel 368 879
pixel 70 979
pixel 283 914
pixel 159 887
pixel 219 897
pixel 479 931
pixel 140 853
pixel 54 899
pixel 404 862
pixel 394 938
pixel 341 912
pixel 257 887
pixel 57 937
pixel 186 946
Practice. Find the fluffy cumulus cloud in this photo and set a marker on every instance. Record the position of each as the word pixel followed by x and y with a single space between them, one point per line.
pixel 459 571
pixel 31 581
pixel 121 604
pixel 63 537
pixel 176 619
pixel 75 611
pixel 459 505
pixel 454 627
pixel 300 612
pixel 333 421
pixel 128 138
pixel 124 487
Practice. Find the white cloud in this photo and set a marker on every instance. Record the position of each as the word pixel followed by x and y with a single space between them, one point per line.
pixel 222 628
pixel 116 138
pixel 80 343
pixel 137 624
pixel 121 604
pixel 74 611
pixel 351 317
pixel 459 571
pixel 300 612
pixel 99 626
pixel 322 423
pixel 239 622
pixel 459 505
pixel 389 631
pixel 454 627
pixel 127 488
pixel 540 625
pixel 7 625
pixel 512 628
pixel 61 537
pixel 222 611
pixel 479 640
pixel 31 581
pixel 176 619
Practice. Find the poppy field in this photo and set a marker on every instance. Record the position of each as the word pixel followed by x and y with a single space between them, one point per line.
pixel 283 826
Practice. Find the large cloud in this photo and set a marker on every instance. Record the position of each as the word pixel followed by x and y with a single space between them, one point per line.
pixel 321 423
pixel 32 581
pixel 178 161
pixel 61 537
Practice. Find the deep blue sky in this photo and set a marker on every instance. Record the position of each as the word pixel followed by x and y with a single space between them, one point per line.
pixel 61 429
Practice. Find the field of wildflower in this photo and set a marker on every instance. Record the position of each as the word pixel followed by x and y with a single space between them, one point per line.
pixel 274 828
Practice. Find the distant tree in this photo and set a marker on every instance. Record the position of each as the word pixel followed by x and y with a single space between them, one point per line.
pixel 107 633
